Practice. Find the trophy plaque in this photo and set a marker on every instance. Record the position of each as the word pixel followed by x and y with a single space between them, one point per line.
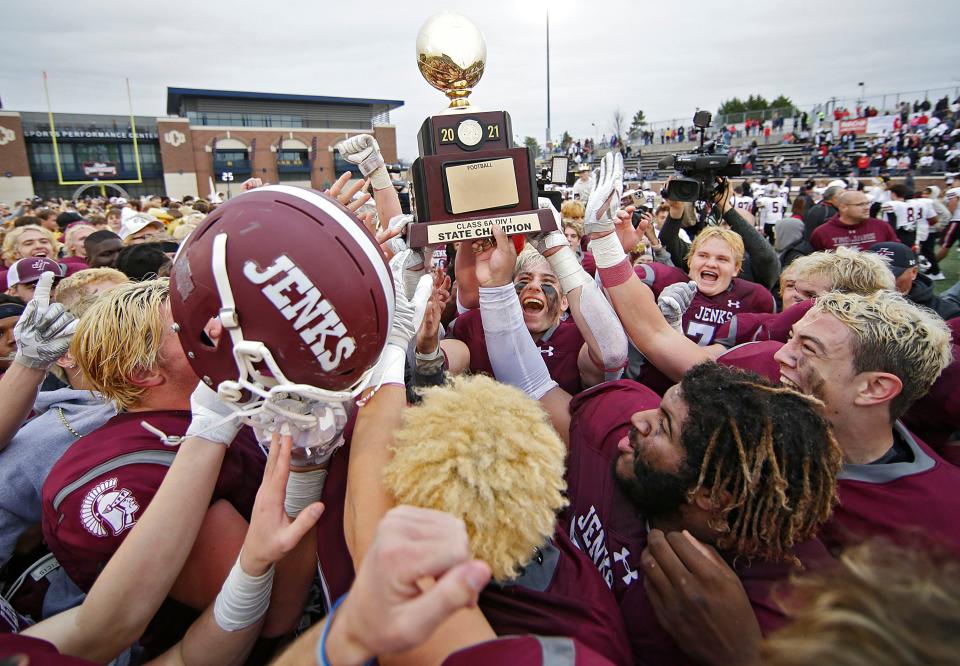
pixel 469 175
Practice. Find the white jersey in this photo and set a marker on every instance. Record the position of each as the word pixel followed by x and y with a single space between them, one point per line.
pixel 743 202
pixel 912 215
pixel 649 197
pixel 582 189
pixel 879 195
pixel 771 210
pixel 785 193
pixel 953 196
pixel 756 189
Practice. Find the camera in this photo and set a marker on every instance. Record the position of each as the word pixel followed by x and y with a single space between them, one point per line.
pixel 698 173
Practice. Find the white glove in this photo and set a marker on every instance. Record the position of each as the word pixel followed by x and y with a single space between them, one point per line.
pixel 44 331
pixel 609 189
pixel 415 264
pixel 407 316
pixel 545 241
pixel 364 151
pixel 212 419
pixel 398 243
pixel 674 301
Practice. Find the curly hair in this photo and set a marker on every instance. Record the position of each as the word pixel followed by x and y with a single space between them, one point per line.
pixel 484 452
pixel 884 605
pixel 847 270
pixel 78 286
pixel 770 448
pixel 572 210
pixel 891 334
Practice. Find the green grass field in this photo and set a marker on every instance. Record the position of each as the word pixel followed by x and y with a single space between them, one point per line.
pixel 949 267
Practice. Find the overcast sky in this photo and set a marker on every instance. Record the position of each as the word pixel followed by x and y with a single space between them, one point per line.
pixel 665 58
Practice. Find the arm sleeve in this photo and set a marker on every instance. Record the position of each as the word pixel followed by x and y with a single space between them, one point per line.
pixel 673 244
pixel 763 258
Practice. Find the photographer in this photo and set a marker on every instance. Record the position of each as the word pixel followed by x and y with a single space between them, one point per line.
pixel 760 261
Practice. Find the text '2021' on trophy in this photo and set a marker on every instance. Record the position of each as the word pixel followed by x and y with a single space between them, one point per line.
pixel 469 175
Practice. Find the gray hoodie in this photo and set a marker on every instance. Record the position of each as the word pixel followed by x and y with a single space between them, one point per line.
pixel 32 453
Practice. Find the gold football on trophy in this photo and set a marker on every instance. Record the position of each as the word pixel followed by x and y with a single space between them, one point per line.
pixel 451 55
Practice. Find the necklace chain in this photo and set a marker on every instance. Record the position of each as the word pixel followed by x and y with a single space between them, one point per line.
pixel 63 419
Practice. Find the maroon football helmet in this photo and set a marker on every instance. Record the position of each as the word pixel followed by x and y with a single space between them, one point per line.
pixel 301 288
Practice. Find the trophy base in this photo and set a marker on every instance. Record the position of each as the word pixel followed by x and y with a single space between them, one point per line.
pixel 420 234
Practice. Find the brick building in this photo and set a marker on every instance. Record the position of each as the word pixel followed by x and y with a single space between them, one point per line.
pixel 209 137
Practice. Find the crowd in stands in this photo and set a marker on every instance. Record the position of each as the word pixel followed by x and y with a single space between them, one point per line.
pixel 722 432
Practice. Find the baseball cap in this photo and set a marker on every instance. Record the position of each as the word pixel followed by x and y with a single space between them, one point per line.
pixel 67 218
pixel 897 255
pixel 25 271
pixel 837 183
pixel 131 224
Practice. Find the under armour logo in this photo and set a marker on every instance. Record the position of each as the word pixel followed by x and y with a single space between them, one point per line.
pixel 621 557
pixel 733 304
pixel 547 351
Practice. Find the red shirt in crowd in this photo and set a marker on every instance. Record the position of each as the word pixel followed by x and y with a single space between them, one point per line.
pixel 833 233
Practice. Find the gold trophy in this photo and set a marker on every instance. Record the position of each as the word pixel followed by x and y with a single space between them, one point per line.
pixel 469 175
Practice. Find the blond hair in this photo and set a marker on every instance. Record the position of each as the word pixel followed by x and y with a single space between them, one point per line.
pixel 883 605
pixel 891 334
pixel 847 269
pixel 572 210
pixel 576 225
pixel 119 335
pixel 731 238
pixel 499 465
pixel 77 286
pixel 71 233
pixel 12 238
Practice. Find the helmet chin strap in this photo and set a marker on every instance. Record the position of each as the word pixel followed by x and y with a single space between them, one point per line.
pixel 272 392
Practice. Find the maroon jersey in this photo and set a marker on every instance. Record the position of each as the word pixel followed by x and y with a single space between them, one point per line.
pixel 757 357
pixel 707 313
pixel 762 581
pixel 528 651
pixel 833 233
pixel 105 481
pixel 754 327
pixel 600 519
pixel 605 524
pixel 38 652
pixel 897 500
pixel 559 346
pixel 559 593
pixel 935 417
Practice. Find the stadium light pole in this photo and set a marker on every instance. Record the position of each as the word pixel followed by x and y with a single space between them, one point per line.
pixel 547 144
pixel 863 87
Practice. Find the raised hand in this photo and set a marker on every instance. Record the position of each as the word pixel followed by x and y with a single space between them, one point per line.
pixel 495 264
pixel 364 151
pixel 604 201
pixel 272 534
pixel 44 330
pixel 390 607
pixel 345 196
pixel 674 301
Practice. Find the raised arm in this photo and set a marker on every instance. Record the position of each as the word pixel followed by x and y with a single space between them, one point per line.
pixel 513 355
pixel 159 543
pixel 43 335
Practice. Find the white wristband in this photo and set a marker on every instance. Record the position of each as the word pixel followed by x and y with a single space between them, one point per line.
pixel 607 251
pixel 303 489
pixel 243 599
pixel 568 269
